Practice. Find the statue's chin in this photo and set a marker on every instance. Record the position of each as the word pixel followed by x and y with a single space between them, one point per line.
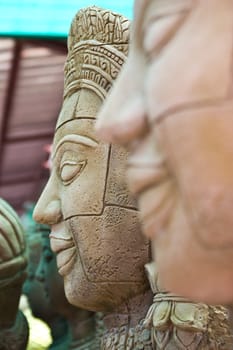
pixel 65 260
pixel 98 296
pixel 188 268
pixel 212 287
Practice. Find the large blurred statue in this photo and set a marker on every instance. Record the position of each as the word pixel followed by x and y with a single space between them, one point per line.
pixel 172 107
pixel 94 223
pixel 13 324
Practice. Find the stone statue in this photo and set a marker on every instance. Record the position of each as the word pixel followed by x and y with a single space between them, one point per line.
pixel 71 327
pixel 172 109
pixel 94 226
pixel 94 223
pixel 13 324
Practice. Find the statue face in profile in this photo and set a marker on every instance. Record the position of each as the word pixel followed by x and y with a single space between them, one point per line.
pixel 172 108
pixel 94 227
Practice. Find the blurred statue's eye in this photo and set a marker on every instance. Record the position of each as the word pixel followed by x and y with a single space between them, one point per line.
pixel 48 255
pixel 159 32
pixel 70 170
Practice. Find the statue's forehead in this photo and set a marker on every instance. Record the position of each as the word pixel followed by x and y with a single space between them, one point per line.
pixel 81 104
pixel 78 126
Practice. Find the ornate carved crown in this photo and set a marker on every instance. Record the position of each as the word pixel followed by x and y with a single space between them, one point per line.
pixel 97 49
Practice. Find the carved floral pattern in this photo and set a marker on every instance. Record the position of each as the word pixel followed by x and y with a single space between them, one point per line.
pixel 97 49
pixel 178 323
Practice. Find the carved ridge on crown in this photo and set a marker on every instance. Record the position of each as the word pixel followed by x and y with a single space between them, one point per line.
pixel 97 49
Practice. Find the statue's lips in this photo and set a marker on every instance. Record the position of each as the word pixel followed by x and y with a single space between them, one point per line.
pixel 63 246
pixel 60 244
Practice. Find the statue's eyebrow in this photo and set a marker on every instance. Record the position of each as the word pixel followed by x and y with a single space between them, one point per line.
pixel 73 138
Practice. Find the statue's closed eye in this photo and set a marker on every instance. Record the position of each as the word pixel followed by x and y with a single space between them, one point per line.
pixel 70 170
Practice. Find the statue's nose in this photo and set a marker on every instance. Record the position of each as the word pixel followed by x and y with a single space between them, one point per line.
pixel 40 273
pixel 49 214
pixel 122 116
pixel 129 124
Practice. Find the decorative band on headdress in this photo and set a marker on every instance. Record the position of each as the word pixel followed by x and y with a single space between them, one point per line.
pixel 97 49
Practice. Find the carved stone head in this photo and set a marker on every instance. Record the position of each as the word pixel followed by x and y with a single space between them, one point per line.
pixel 94 226
pixel 172 107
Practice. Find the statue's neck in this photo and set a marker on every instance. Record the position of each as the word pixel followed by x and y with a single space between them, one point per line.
pixel 82 330
pixel 125 325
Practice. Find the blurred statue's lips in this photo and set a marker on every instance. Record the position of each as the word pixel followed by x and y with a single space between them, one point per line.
pixel 63 245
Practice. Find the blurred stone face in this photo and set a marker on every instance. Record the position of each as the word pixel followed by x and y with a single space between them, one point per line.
pixel 94 226
pixel 172 107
